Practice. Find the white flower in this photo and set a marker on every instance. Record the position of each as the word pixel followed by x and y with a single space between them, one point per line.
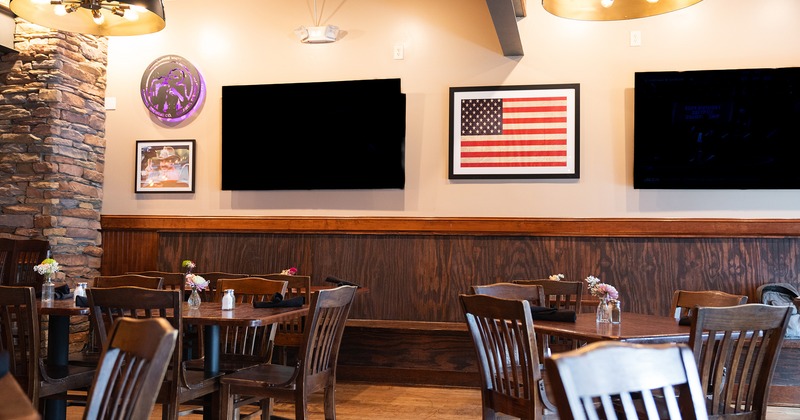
pixel 196 282
pixel 556 277
pixel 48 266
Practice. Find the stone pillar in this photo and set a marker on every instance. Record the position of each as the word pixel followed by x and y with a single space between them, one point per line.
pixel 52 144
pixel 52 149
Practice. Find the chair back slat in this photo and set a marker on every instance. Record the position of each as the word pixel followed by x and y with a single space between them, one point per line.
pixel 560 294
pixel 328 312
pixel 172 280
pixel 136 280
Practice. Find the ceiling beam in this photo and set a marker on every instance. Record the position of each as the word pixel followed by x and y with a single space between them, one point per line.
pixel 504 16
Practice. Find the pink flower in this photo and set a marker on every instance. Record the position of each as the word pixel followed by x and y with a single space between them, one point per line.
pixel 290 271
pixel 196 282
pixel 607 291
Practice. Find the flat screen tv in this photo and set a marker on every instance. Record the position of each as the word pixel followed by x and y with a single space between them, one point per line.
pixel 717 129
pixel 314 136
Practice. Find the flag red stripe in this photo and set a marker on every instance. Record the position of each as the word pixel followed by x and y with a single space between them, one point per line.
pixel 518 153
pixel 534 120
pixel 478 143
pixel 535 131
pixel 509 164
pixel 554 108
pixel 549 98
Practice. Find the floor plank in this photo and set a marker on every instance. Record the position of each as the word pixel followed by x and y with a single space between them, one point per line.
pixel 362 401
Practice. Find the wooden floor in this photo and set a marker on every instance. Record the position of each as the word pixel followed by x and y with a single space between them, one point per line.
pixel 360 401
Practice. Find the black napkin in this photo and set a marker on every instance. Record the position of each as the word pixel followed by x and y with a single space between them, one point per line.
pixel 552 314
pixel 62 293
pixel 82 301
pixel 685 320
pixel 340 282
pixel 278 302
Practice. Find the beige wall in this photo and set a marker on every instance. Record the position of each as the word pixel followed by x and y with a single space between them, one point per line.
pixel 447 43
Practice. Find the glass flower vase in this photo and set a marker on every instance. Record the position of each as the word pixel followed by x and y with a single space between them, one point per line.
pixel 194 299
pixel 603 312
pixel 48 288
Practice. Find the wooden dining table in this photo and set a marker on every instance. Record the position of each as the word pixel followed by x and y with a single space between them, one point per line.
pixel 211 317
pixel 14 402
pixel 634 328
pixel 59 312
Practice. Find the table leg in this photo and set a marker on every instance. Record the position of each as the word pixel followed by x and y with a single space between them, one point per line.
pixel 57 355
pixel 211 367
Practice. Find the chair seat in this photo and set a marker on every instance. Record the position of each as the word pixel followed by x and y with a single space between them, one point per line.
pixel 56 379
pixel 85 359
pixel 225 365
pixel 262 376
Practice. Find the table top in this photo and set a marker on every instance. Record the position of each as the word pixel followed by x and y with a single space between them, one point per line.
pixel 14 403
pixel 211 313
pixel 637 328
pixel 63 307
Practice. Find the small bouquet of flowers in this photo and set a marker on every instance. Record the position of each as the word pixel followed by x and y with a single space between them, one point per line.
pixel 604 291
pixel 196 282
pixel 47 268
pixel 556 277
pixel 289 271
pixel 188 265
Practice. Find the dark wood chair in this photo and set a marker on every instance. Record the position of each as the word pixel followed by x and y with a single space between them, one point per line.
pixel 212 277
pixel 607 378
pixel 508 358
pixel 736 349
pixel 533 294
pixel 6 251
pixel 684 301
pixel 241 347
pixel 27 254
pixel 19 335
pixel 172 280
pixel 136 280
pixel 90 354
pixel 316 366
pixel 131 369
pixel 290 333
pixel 563 295
pixel 180 385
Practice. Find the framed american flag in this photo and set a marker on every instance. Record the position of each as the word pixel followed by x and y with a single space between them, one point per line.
pixel 514 132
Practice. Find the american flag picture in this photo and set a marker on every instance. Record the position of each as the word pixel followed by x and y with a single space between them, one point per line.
pixel 514 132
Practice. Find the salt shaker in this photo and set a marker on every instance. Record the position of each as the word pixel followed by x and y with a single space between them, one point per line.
pixel 228 301
pixel 80 290
pixel 616 312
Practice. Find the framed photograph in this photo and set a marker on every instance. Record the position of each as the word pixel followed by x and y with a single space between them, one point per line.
pixel 507 132
pixel 165 166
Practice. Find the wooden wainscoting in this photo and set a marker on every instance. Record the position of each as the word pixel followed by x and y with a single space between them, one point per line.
pixel 414 268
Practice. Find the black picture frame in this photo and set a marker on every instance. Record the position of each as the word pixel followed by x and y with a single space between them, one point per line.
pixel 165 166
pixel 515 132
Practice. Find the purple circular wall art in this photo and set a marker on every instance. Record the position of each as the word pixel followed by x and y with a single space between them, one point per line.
pixel 172 88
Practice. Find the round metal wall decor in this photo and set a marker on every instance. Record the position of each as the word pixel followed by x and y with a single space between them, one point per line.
pixel 172 88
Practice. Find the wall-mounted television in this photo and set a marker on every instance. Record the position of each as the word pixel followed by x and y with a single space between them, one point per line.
pixel 314 136
pixel 717 129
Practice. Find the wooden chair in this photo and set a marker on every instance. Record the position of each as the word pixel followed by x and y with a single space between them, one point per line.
pixel 508 358
pixel 212 277
pixel 90 354
pixel 6 251
pixel 241 347
pixel 562 295
pixel 602 379
pixel 19 335
pixel 684 301
pixel 136 280
pixel 290 333
pixel 172 281
pixel 736 349
pixel 533 294
pixel 316 366
pixel 180 385
pixel 27 254
pixel 131 369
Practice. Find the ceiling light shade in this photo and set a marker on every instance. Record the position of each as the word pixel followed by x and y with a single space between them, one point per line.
pixel 95 17
pixel 613 9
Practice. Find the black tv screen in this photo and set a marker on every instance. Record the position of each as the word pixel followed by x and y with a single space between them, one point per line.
pixel 318 135
pixel 717 129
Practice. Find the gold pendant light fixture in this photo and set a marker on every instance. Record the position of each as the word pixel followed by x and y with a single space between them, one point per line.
pixel 95 17
pixel 613 9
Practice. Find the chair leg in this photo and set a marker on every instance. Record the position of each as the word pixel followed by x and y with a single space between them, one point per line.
pixel 226 402
pixel 266 408
pixel 330 401
pixel 301 407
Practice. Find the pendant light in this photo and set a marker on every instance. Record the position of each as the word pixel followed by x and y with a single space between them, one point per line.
pixel 95 17
pixel 613 9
